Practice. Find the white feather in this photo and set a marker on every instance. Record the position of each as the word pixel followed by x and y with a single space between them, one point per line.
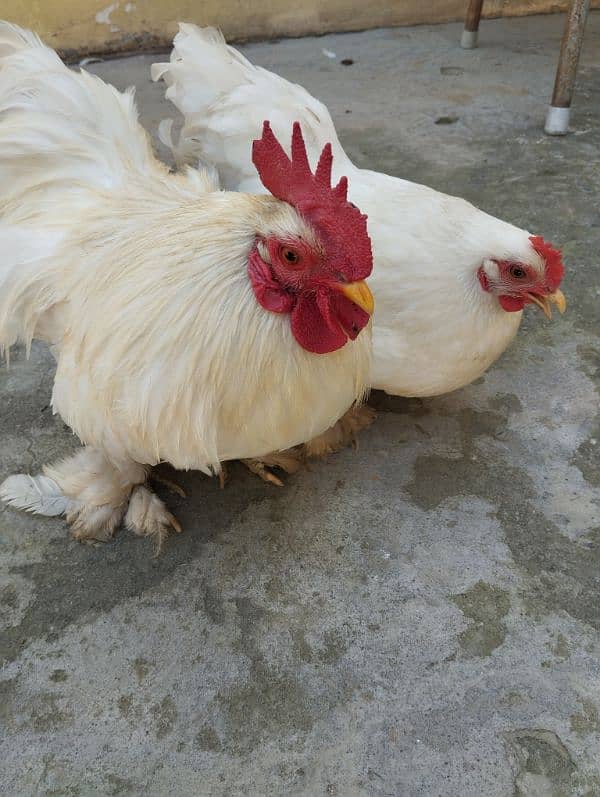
pixel 37 494
pixel 225 99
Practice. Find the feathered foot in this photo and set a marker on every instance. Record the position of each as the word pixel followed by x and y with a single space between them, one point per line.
pixel 147 516
pixel 86 488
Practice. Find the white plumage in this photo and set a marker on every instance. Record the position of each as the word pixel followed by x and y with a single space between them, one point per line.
pixel 138 280
pixel 39 495
pixel 435 329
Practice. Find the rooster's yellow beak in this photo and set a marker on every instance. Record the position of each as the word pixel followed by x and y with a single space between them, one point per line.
pixel 545 302
pixel 359 293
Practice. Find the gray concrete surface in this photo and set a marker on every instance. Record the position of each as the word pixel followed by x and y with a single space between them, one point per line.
pixel 417 618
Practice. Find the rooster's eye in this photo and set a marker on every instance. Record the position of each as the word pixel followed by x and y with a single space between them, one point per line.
pixel 290 255
pixel 517 272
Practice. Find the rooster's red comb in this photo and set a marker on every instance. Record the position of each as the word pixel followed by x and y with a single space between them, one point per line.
pixel 292 181
pixel 552 258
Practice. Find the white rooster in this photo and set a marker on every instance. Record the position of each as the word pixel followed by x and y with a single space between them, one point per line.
pixel 190 325
pixel 449 281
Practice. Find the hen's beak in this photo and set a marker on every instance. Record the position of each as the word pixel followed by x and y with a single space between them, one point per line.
pixel 359 293
pixel 545 302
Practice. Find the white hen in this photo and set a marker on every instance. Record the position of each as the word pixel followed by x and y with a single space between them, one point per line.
pixel 449 280
pixel 190 325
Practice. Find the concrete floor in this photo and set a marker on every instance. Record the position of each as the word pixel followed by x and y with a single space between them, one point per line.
pixel 418 618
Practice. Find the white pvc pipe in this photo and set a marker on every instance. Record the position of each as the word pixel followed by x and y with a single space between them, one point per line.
pixel 557 121
pixel 468 40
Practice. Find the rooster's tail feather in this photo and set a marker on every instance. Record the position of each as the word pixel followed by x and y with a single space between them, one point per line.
pixel 225 100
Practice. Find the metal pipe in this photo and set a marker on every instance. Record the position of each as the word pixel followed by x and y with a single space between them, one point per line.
pixel 468 39
pixel 557 120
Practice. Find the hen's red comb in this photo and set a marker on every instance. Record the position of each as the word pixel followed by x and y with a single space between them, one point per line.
pixel 552 258
pixel 292 181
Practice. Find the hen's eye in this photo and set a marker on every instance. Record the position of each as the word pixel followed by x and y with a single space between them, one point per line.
pixel 290 255
pixel 517 272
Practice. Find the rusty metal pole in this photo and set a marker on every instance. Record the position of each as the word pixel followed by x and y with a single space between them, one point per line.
pixel 468 39
pixel 557 119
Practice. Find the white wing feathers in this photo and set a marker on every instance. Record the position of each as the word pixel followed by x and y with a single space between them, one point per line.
pixel 225 99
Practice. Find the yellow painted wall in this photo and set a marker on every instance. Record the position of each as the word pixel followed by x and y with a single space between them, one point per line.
pixel 83 26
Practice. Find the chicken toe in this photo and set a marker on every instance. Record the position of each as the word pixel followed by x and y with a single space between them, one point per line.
pixel 94 523
pixel 288 461
pixel 147 516
pixel 168 483
pixel 262 471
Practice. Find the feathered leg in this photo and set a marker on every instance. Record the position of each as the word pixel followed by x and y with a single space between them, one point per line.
pixel 343 433
pixel 89 490
pixel 95 495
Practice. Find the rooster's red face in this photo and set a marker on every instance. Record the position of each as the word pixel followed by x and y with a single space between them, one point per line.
pixel 518 283
pixel 313 262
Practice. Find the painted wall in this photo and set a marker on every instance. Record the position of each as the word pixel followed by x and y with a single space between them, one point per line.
pixel 84 26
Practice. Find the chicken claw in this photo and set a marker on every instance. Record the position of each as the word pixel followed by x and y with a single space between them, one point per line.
pixel 147 516
pixel 262 471
pixel 175 488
